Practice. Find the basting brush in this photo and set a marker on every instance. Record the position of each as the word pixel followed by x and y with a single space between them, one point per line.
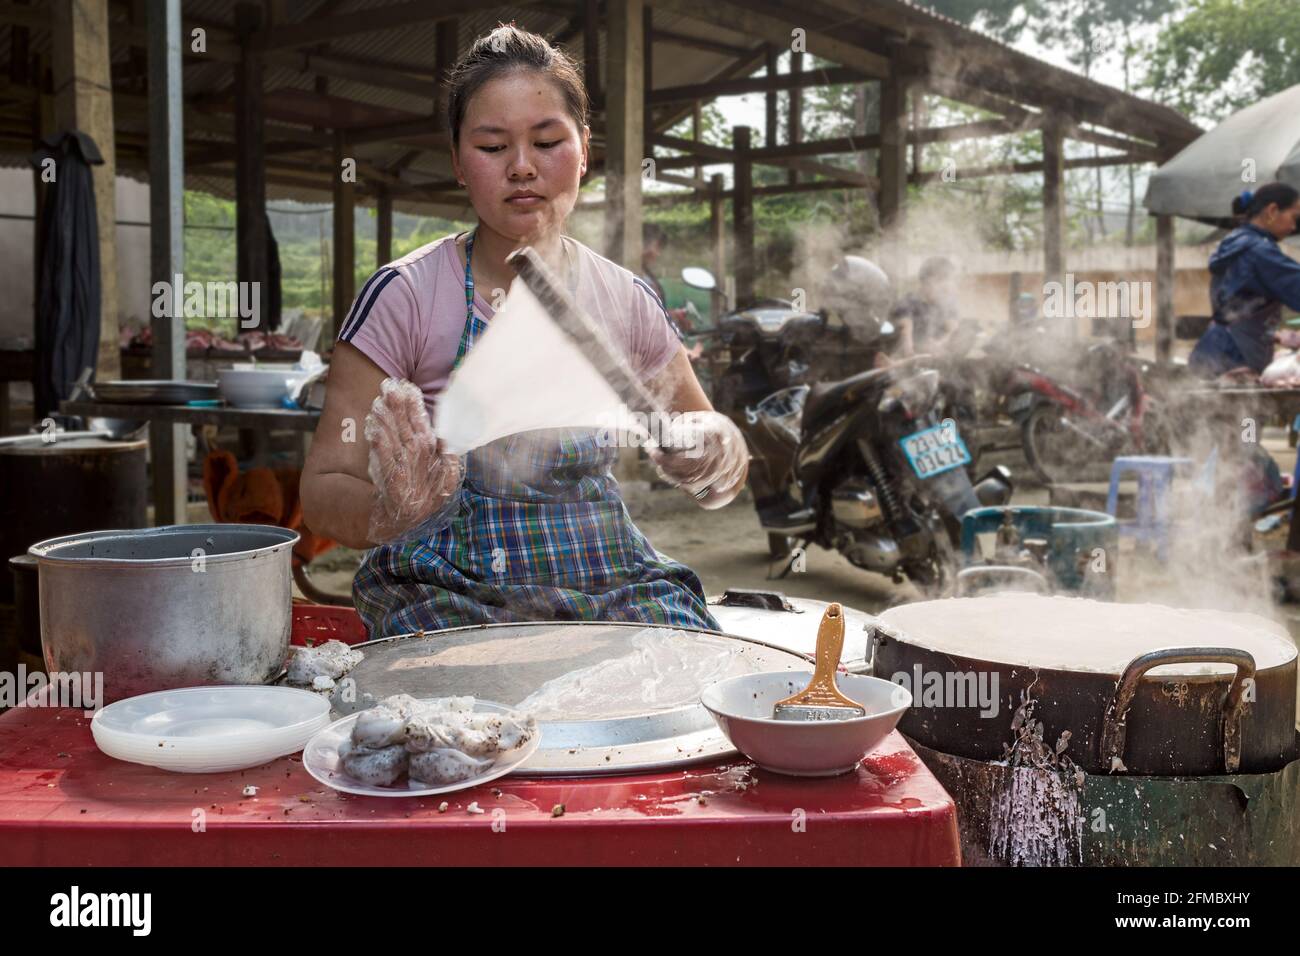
pixel 821 699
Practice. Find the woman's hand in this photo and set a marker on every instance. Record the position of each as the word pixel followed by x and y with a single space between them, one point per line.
pixel 704 453
pixel 412 476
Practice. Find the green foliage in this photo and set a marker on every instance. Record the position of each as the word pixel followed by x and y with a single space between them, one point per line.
pixel 1219 56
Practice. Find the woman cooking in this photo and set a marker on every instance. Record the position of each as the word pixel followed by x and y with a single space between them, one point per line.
pixel 532 526
pixel 1251 278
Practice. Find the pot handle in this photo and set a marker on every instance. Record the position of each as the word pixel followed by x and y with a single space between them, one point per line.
pixel 1115 730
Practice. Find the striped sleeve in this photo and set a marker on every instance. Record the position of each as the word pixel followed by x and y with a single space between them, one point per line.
pixel 654 338
pixel 382 323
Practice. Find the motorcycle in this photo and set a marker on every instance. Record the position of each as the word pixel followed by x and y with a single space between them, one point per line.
pixel 1071 431
pixel 863 465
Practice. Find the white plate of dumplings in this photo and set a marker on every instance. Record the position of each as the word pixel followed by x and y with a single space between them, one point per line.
pixel 408 747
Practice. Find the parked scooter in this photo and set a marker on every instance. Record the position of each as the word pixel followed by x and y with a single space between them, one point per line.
pixel 864 465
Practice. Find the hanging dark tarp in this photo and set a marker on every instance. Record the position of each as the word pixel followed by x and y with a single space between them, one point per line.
pixel 68 292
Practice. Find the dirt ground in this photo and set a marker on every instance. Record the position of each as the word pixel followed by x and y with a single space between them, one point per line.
pixel 727 548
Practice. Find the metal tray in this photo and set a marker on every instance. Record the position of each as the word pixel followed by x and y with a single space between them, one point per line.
pixel 508 662
pixel 154 392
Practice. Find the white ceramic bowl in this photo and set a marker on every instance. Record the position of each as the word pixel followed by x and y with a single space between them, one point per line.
pixel 257 387
pixel 210 729
pixel 742 706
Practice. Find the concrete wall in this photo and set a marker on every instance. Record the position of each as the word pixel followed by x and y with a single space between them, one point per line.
pixel 17 251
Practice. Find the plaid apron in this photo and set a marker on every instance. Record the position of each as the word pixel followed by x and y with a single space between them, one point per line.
pixel 539 533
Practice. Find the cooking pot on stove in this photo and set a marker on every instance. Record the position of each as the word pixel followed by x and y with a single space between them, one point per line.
pixel 1166 710
pixel 175 606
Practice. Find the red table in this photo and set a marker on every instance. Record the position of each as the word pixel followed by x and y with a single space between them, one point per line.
pixel 62 802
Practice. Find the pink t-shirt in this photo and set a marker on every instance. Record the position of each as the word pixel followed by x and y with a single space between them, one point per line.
pixel 408 317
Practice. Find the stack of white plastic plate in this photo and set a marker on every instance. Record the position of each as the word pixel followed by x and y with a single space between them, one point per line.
pixel 210 729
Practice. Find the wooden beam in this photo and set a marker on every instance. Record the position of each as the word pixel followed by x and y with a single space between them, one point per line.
pixel 742 215
pixel 390 17
pixel 699 43
pixel 83 101
pixel 624 131
pixel 345 255
pixel 1016 169
pixel 252 247
pixel 773 29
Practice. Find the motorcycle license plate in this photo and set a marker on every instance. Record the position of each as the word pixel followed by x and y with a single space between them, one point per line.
pixel 934 450
pixel 1021 403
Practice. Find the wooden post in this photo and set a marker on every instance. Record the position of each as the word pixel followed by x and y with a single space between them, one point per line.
pixel 742 215
pixel 1054 207
pixel 591 53
pixel 167 247
pixel 795 132
pixel 624 127
pixel 893 171
pixel 697 129
pixel 647 79
pixel 83 100
pixel 718 239
pixel 446 46
pixel 251 241
pixel 1165 275
pixel 345 256
pixel 384 227
pixel 769 98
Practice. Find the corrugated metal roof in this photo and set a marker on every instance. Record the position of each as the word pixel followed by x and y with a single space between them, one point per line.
pixel 412 47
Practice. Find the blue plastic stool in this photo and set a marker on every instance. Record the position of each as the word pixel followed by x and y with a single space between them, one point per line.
pixel 1155 477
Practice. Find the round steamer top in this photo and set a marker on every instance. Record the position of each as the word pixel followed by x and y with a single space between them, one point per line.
pixel 1078 634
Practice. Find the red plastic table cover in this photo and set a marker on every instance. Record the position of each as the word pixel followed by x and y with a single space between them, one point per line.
pixel 62 802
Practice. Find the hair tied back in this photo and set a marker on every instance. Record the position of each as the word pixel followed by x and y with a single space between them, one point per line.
pixel 1246 197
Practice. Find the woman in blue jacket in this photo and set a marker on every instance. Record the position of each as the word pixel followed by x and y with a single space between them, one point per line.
pixel 1251 278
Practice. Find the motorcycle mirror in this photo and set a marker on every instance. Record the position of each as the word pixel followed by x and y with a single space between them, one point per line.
pixel 886 328
pixel 699 278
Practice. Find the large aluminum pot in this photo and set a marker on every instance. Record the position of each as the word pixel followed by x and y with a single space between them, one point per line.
pixel 176 606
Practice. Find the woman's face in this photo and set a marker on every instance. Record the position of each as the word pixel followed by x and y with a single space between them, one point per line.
pixel 521 155
pixel 1280 222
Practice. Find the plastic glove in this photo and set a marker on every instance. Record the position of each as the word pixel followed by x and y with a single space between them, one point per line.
pixel 703 453
pixel 415 481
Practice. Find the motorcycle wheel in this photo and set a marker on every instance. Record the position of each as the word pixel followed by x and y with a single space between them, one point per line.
pixel 779 545
pixel 1055 452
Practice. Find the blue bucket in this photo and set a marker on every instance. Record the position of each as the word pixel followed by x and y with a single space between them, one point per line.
pixel 1082 545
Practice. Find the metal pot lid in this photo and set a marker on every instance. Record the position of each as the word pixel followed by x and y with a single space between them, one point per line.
pixel 1055 632
pixel 165 546
pixel 791 623
pixel 611 698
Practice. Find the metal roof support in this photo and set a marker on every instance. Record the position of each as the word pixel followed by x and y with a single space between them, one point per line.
pixel 167 246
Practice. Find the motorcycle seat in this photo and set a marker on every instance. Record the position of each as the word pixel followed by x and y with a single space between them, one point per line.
pixel 829 395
